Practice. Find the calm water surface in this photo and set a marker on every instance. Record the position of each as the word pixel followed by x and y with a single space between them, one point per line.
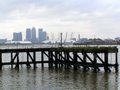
pixel 28 79
pixel 51 79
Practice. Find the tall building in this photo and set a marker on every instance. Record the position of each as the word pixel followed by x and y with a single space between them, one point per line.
pixel 28 34
pixel 17 36
pixel 33 35
pixel 41 35
pixel 20 36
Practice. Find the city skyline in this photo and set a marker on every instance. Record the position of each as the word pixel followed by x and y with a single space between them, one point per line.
pixel 90 18
pixel 51 35
pixel 35 35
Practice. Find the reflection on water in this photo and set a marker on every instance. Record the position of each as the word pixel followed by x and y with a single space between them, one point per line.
pixel 28 79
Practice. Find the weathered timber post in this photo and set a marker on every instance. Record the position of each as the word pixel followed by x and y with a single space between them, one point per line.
pixel 12 60
pixel 106 61
pixel 42 60
pixel 67 61
pixel 75 60
pixel 51 63
pixel 28 64
pixel 84 62
pixel 58 56
pixel 0 61
pixel 116 62
pixel 50 56
pixel 34 60
pixel 95 62
pixel 56 60
pixel 17 64
pixel 60 59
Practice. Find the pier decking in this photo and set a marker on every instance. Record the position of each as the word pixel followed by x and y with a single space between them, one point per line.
pixel 84 58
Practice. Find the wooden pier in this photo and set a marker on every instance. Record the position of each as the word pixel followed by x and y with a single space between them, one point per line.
pixel 85 58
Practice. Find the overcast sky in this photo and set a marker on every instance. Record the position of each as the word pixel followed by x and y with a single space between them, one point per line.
pixel 90 18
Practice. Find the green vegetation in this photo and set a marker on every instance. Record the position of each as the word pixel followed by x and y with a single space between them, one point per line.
pixel 89 49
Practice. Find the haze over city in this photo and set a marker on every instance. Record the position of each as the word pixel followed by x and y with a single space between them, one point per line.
pixel 90 18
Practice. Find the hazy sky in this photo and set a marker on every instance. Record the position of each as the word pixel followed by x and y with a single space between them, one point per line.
pixel 90 18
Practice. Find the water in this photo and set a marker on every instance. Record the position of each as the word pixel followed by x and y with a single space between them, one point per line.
pixel 25 79
pixel 45 79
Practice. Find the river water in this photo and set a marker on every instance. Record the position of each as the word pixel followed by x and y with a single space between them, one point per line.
pixel 51 79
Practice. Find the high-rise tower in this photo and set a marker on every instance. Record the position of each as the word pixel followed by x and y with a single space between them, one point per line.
pixel 28 34
pixel 33 35
pixel 17 36
pixel 41 35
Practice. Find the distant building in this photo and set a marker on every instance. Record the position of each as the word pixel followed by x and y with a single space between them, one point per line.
pixel 42 35
pixel 17 36
pixel 33 35
pixel 83 41
pixel 28 34
pixel 3 41
pixel 78 37
pixel 117 39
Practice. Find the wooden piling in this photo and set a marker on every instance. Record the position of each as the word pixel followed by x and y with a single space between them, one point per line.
pixel 17 63
pixel 95 62
pixel 75 60
pixel 28 63
pixel 49 59
pixel 12 60
pixel 56 60
pixel 0 61
pixel 84 61
pixel 42 59
pixel 116 62
pixel 34 60
pixel 106 61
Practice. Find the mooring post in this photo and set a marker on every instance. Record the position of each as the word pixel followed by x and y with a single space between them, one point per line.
pixel 49 59
pixel 106 61
pixel 58 55
pixel 67 60
pixel 50 54
pixel 18 60
pixel 34 59
pixel 95 62
pixel 12 60
pixel 28 64
pixel 60 59
pixel 42 60
pixel 17 64
pixel 116 62
pixel 84 62
pixel 56 60
pixel 0 61
pixel 75 60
